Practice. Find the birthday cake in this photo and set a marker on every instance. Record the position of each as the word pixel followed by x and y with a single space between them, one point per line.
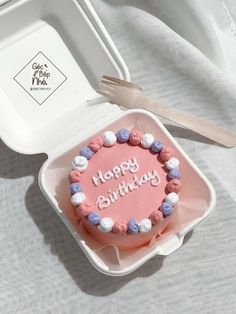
pixel 124 187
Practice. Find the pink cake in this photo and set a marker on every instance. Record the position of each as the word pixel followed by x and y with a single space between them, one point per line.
pixel 124 187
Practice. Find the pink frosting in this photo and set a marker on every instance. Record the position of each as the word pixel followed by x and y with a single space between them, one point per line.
pixel 74 176
pixel 135 137
pixel 166 153
pixel 174 185
pixel 120 227
pixel 83 209
pixel 95 144
pixel 156 217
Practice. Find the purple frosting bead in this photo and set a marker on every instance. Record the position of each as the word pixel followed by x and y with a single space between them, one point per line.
pixel 74 188
pixel 174 174
pixel 93 219
pixel 86 152
pixel 132 226
pixel 123 135
pixel 166 208
pixel 156 146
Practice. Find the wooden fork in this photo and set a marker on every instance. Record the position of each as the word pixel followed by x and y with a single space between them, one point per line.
pixel 130 95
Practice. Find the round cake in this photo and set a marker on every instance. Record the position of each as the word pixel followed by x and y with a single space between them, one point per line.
pixel 124 186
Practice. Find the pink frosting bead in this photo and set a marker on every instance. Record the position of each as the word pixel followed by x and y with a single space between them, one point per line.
pixel 156 217
pixel 120 227
pixel 83 209
pixel 174 185
pixel 74 176
pixel 166 153
pixel 95 144
pixel 135 137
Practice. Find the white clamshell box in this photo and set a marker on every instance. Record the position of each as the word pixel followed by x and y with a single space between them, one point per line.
pixel 71 36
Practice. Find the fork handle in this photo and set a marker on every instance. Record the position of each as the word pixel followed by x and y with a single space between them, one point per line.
pixel 217 134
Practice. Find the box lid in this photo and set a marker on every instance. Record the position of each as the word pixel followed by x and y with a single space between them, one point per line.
pixel 51 64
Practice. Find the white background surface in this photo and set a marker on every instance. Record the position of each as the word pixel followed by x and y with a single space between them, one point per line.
pixel 41 268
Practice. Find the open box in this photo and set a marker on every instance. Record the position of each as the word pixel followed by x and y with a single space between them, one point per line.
pixel 63 47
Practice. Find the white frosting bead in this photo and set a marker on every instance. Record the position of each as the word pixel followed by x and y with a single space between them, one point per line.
pixel 172 198
pixel 109 138
pixel 147 140
pixel 106 224
pixel 78 198
pixel 172 163
pixel 145 225
pixel 80 163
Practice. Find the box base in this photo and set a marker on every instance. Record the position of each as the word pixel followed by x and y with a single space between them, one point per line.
pixel 197 200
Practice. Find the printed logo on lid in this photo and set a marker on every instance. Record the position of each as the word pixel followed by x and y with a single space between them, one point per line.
pixel 40 78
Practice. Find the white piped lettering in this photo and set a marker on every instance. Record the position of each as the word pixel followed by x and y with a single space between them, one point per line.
pixel 125 188
pixel 130 165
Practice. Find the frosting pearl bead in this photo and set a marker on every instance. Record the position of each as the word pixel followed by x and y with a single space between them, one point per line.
pixel 74 188
pixel 172 198
pixel 74 176
pixel 78 198
pixel 145 225
pixel 106 224
pixel 120 227
pixel 80 163
pixel 95 144
pixel 174 185
pixel 166 154
pixel 109 138
pixel 93 219
pixel 133 226
pixel 147 140
pixel 172 163
pixel 166 208
pixel 86 152
pixel 156 146
pixel 135 137
pixel 83 209
pixel 156 217
pixel 123 135
pixel 174 174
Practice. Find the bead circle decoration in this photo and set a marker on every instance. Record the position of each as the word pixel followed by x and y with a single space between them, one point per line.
pixel 135 138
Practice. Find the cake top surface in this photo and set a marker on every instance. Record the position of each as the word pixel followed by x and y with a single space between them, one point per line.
pixel 124 181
